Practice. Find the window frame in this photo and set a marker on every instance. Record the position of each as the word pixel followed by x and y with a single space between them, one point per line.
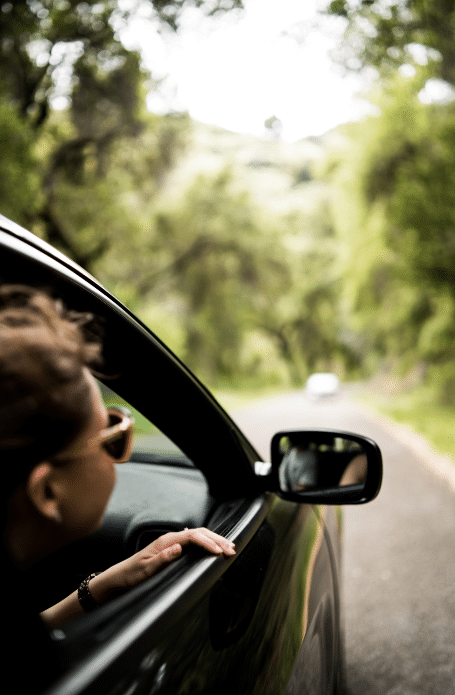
pixel 194 420
pixel 223 454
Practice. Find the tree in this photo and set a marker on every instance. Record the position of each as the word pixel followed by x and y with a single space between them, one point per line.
pixel 386 35
pixel 394 210
pixel 19 183
pixel 207 256
pixel 46 45
pixel 274 127
pixel 96 205
pixel 40 37
pixel 237 295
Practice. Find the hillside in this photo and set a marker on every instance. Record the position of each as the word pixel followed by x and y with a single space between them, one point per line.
pixel 279 175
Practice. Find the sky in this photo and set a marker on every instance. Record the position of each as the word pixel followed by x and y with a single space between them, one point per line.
pixel 243 68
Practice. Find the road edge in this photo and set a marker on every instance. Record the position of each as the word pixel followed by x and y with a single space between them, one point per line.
pixel 441 464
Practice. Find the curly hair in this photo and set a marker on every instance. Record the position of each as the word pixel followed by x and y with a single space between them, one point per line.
pixel 44 395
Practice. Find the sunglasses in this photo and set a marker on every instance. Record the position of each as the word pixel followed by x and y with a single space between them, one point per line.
pixel 117 438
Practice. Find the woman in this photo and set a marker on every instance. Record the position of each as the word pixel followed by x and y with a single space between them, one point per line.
pixel 56 436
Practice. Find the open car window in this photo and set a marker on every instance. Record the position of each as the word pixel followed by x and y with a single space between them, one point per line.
pixel 150 444
pixel 158 490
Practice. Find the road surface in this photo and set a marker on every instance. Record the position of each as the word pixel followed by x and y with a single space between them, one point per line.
pixel 399 553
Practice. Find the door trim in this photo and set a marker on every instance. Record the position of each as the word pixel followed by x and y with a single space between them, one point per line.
pixel 176 596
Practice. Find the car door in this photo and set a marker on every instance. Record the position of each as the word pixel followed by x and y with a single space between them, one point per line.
pixel 265 621
pixel 202 627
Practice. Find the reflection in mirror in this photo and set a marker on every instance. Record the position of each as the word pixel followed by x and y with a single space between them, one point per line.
pixel 307 464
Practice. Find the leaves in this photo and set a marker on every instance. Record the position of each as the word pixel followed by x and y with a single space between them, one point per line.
pixel 394 210
pixel 402 32
pixel 19 183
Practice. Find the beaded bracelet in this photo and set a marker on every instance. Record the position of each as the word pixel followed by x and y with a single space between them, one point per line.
pixel 86 599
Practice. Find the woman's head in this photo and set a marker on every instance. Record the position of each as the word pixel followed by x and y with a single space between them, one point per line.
pixel 50 408
pixel 44 392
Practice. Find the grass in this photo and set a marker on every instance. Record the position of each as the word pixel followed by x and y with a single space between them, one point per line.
pixel 419 410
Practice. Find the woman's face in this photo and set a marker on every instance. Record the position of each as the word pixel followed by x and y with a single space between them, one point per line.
pixel 88 474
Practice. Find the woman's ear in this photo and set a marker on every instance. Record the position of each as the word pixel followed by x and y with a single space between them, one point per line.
pixel 42 491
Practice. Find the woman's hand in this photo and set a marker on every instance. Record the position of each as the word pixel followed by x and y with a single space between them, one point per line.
pixel 135 569
pixel 145 563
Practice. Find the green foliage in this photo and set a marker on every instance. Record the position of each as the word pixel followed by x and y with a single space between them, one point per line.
pixel 237 295
pixel 96 208
pixel 38 37
pixel 19 191
pixel 210 253
pixel 70 49
pixel 394 210
pixel 418 410
pixel 386 35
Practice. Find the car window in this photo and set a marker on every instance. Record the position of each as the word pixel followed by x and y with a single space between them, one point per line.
pixel 150 445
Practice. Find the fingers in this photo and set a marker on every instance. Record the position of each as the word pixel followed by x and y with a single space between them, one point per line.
pixel 202 537
pixel 208 540
pixel 170 549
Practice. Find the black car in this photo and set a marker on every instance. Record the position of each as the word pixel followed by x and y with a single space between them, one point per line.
pixel 266 620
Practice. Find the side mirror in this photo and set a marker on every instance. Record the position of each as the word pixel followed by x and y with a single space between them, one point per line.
pixel 325 467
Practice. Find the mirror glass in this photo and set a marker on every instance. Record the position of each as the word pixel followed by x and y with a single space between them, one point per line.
pixel 309 462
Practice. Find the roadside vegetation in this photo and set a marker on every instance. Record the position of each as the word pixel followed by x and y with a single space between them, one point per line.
pixel 256 261
pixel 420 412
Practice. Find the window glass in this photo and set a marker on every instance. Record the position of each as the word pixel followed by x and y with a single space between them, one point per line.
pixel 150 445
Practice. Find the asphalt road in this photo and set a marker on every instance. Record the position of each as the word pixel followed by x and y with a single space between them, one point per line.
pixel 399 553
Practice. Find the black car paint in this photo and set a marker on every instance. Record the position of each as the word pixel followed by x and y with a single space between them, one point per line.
pixel 267 621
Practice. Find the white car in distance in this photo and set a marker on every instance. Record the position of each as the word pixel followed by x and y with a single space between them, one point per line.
pixel 322 384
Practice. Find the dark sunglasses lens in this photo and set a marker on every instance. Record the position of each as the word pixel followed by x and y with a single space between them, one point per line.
pixel 114 419
pixel 117 448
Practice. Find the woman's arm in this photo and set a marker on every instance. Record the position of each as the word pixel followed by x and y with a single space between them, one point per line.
pixel 135 569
